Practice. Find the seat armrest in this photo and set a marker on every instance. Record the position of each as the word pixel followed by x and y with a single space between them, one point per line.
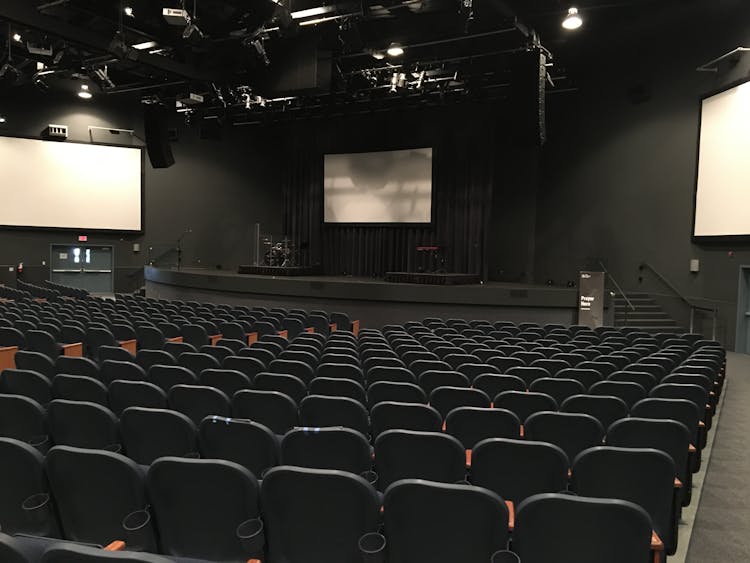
pixel 175 339
pixel 8 357
pixel 511 515
pixel 283 334
pixel 355 327
pixel 129 345
pixel 117 545
pixel 214 338
pixel 468 459
pixel 657 548
pixel 75 349
pixel 333 326
pixel 252 337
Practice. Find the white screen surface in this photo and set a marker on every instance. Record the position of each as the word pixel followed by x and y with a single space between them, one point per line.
pixel 378 187
pixel 722 200
pixel 48 184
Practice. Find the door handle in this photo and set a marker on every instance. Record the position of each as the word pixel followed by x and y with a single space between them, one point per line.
pixel 67 271
pixel 85 271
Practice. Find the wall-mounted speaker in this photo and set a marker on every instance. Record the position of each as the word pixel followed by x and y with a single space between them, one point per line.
pixel 155 118
pixel 528 90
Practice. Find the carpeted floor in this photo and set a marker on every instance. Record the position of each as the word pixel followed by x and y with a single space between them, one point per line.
pixel 721 532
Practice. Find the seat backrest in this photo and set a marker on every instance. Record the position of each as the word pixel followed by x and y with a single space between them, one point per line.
pixel 79 388
pixel 285 383
pixel 35 361
pixel 393 391
pixel 176 349
pixel 523 405
pixel 149 434
pixel 319 410
pixel 23 419
pixel 124 394
pixel 340 448
pixel 445 399
pixel 43 342
pixel 80 479
pixel 197 362
pixel 605 408
pixel 148 358
pixel 337 387
pixel 244 442
pixel 112 370
pixel 249 366
pixel 198 505
pixel 341 371
pixel 317 515
pixel 115 353
pixel 558 388
pixel 12 550
pixel 166 377
pixel 82 424
pixel 432 379
pixel 226 380
pixel 273 409
pixel 642 476
pixel 391 415
pixel 195 335
pixel 21 476
pixel 471 425
pixel 198 401
pixel 681 410
pixel 443 523
pixel 27 383
pixel 405 454
pixel 517 469
pixel 568 529
pixel 73 365
pixel 572 432
pixel 669 436
pixel 642 378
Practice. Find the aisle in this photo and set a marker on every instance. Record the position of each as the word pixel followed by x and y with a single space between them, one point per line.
pixel 720 532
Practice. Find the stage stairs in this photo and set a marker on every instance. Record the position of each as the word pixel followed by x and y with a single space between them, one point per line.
pixel 648 315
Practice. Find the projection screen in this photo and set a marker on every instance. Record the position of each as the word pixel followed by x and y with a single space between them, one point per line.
pixel 722 198
pixel 48 184
pixel 378 187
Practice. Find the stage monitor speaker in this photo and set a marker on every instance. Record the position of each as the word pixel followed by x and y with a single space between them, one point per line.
pixel 528 89
pixel 157 136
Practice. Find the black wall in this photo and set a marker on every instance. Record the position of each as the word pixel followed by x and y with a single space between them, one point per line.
pixel 217 188
pixel 619 168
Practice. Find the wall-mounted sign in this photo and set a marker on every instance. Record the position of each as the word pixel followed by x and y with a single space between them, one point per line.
pixel 591 299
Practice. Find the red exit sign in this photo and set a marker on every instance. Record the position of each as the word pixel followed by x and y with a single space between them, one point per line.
pixel 83 238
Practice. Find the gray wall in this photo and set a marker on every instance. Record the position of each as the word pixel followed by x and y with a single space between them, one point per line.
pixel 619 177
pixel 219 189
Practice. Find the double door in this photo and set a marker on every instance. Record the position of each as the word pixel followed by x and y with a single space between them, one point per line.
pixel 87 266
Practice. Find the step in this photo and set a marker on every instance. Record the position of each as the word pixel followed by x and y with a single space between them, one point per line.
pixel 664 321
pixel 636 301
pixel 654 308
pixel 642 314
pixel 655 329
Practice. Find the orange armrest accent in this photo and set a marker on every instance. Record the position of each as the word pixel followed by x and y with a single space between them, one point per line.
pixel 691 449
pixel 701 424
pixel 116 545
pixel 355 327
pixel 511 515
pixel 310 330
pixel 656 543
pixel 677 483
pixel 253 561
pixel 521 432
pixel 252 337
pixel 175 339
pixel 214 338
pixel 283 334
pixel 468 459
pixel 333 326
pixel 74 349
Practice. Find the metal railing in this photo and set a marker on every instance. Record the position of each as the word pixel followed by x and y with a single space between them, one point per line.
pixel 610 277
pixel 693 307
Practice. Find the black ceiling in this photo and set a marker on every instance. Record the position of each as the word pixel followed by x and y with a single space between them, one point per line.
pixel 254 56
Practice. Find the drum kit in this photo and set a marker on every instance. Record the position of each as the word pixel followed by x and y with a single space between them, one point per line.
pixel 282 254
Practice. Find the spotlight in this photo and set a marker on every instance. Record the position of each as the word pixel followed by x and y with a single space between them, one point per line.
pixel 129 11
pixel 84 92
pixel 378 55
pixel 395 50
pixel 17 37
pixel 572 20
pixel 2 119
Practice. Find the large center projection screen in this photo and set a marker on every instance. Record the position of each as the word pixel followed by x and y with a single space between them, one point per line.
pixel 378 187
pixel 722 200
pixel 48 184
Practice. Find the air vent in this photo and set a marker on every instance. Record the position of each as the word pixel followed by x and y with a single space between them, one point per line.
pixel 57 131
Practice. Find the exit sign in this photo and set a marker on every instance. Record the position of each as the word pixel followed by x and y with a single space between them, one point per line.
pixel 83 238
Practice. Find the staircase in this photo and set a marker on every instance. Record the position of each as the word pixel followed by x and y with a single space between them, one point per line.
pixel 647 317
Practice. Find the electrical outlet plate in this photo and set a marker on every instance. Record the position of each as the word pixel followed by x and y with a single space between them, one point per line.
pixel 57 131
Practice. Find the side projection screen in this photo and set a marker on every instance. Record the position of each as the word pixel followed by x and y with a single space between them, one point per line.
pixel 378 187
pixel 48 184
pixel 722 198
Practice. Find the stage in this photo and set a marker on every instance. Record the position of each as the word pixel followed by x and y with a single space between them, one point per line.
pixel 374 301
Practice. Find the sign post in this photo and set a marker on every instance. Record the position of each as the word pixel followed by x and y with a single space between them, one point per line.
pixel 591 299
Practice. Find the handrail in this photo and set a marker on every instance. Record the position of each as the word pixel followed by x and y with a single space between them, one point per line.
pixel 693 307
pixel 617 285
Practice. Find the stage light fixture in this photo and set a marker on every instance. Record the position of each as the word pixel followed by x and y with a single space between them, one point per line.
pixel 84 92
pixel 573 20
pixel 17 37
pixel 395 50
pixel 2 119
pixel 129 11
pixel 378 55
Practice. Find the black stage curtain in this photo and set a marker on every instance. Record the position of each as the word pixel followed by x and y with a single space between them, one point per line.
pixel 465 154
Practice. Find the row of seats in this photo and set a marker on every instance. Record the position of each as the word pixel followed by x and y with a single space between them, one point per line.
pixel 216 510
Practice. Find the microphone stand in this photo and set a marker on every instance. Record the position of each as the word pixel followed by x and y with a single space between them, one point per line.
pixel 179 247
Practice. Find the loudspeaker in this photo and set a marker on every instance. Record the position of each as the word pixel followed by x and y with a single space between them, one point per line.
pixel 528 89
pixel 155 117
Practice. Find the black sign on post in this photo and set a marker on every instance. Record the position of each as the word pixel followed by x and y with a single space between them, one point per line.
pixel 591 299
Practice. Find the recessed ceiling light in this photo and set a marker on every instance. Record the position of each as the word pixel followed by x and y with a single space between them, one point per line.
pixel 17 37
pixel 2 119
pixel 572 20
pixel 129 11
pixel 395 50
pixel 379 55
pixel 145 45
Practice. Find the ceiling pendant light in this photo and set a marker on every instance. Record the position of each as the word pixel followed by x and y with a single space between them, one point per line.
pixel 395 50
pixel 84 92
pixel 572 20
